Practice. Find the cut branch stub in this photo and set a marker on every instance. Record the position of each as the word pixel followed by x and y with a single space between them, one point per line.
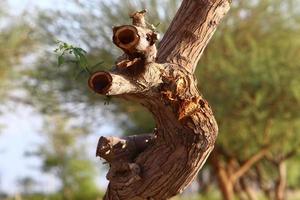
pixel 186 130
pixel 109 83
pixel 126 37
pixel 100 82
pixel 136 42
pixel 125 149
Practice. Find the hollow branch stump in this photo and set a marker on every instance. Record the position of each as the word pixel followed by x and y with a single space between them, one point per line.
pixel 161 164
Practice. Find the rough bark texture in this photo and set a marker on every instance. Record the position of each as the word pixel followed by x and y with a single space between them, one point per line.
pixel 162 164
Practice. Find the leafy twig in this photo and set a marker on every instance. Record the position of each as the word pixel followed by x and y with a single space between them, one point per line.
pixel 80 60
pixel 80 57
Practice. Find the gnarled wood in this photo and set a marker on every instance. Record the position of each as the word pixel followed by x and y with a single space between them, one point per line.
pixel 163 164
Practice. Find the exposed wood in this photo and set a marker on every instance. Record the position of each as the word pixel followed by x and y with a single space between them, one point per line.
pixel 126 37
pixel 186 130
pixel 115 149
pixel 136 42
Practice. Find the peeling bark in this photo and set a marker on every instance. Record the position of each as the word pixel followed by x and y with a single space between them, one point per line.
pixel 162 164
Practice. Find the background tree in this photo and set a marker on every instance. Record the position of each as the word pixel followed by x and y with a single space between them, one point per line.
pixel 14 40
pixel 65 156
pixel 255 72
pixel 27 185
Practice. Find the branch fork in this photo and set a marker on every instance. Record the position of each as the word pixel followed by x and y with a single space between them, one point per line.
pixel 161 164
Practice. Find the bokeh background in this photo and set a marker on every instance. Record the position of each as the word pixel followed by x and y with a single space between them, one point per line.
pixel 50 121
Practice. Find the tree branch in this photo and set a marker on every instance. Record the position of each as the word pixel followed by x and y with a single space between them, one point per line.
pixel 248 164
pixel 109 83
pixel 125 149
pixel 190 31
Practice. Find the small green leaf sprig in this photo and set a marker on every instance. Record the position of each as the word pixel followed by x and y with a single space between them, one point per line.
pixel 79 57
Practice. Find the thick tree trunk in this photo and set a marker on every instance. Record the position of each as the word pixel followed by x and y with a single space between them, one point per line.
pixel 162 164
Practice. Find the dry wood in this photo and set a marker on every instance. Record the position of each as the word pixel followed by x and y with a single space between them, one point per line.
pixel 162 164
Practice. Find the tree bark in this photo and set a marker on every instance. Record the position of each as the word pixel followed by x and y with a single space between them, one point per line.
pixel 162 164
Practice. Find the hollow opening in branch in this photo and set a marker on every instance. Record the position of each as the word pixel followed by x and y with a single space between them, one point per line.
pixel 126 37
pixel 100 82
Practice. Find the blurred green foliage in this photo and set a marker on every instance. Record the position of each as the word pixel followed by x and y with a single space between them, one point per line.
pixel 14 41
pixel 67 159
pixel 249 74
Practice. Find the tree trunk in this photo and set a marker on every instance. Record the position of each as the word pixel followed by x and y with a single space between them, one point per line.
pixel 281 182
pixel 247 189
pixel 162 164
pixel 266 188
pixel 230 172
pixel 225 184
pixel 279 161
